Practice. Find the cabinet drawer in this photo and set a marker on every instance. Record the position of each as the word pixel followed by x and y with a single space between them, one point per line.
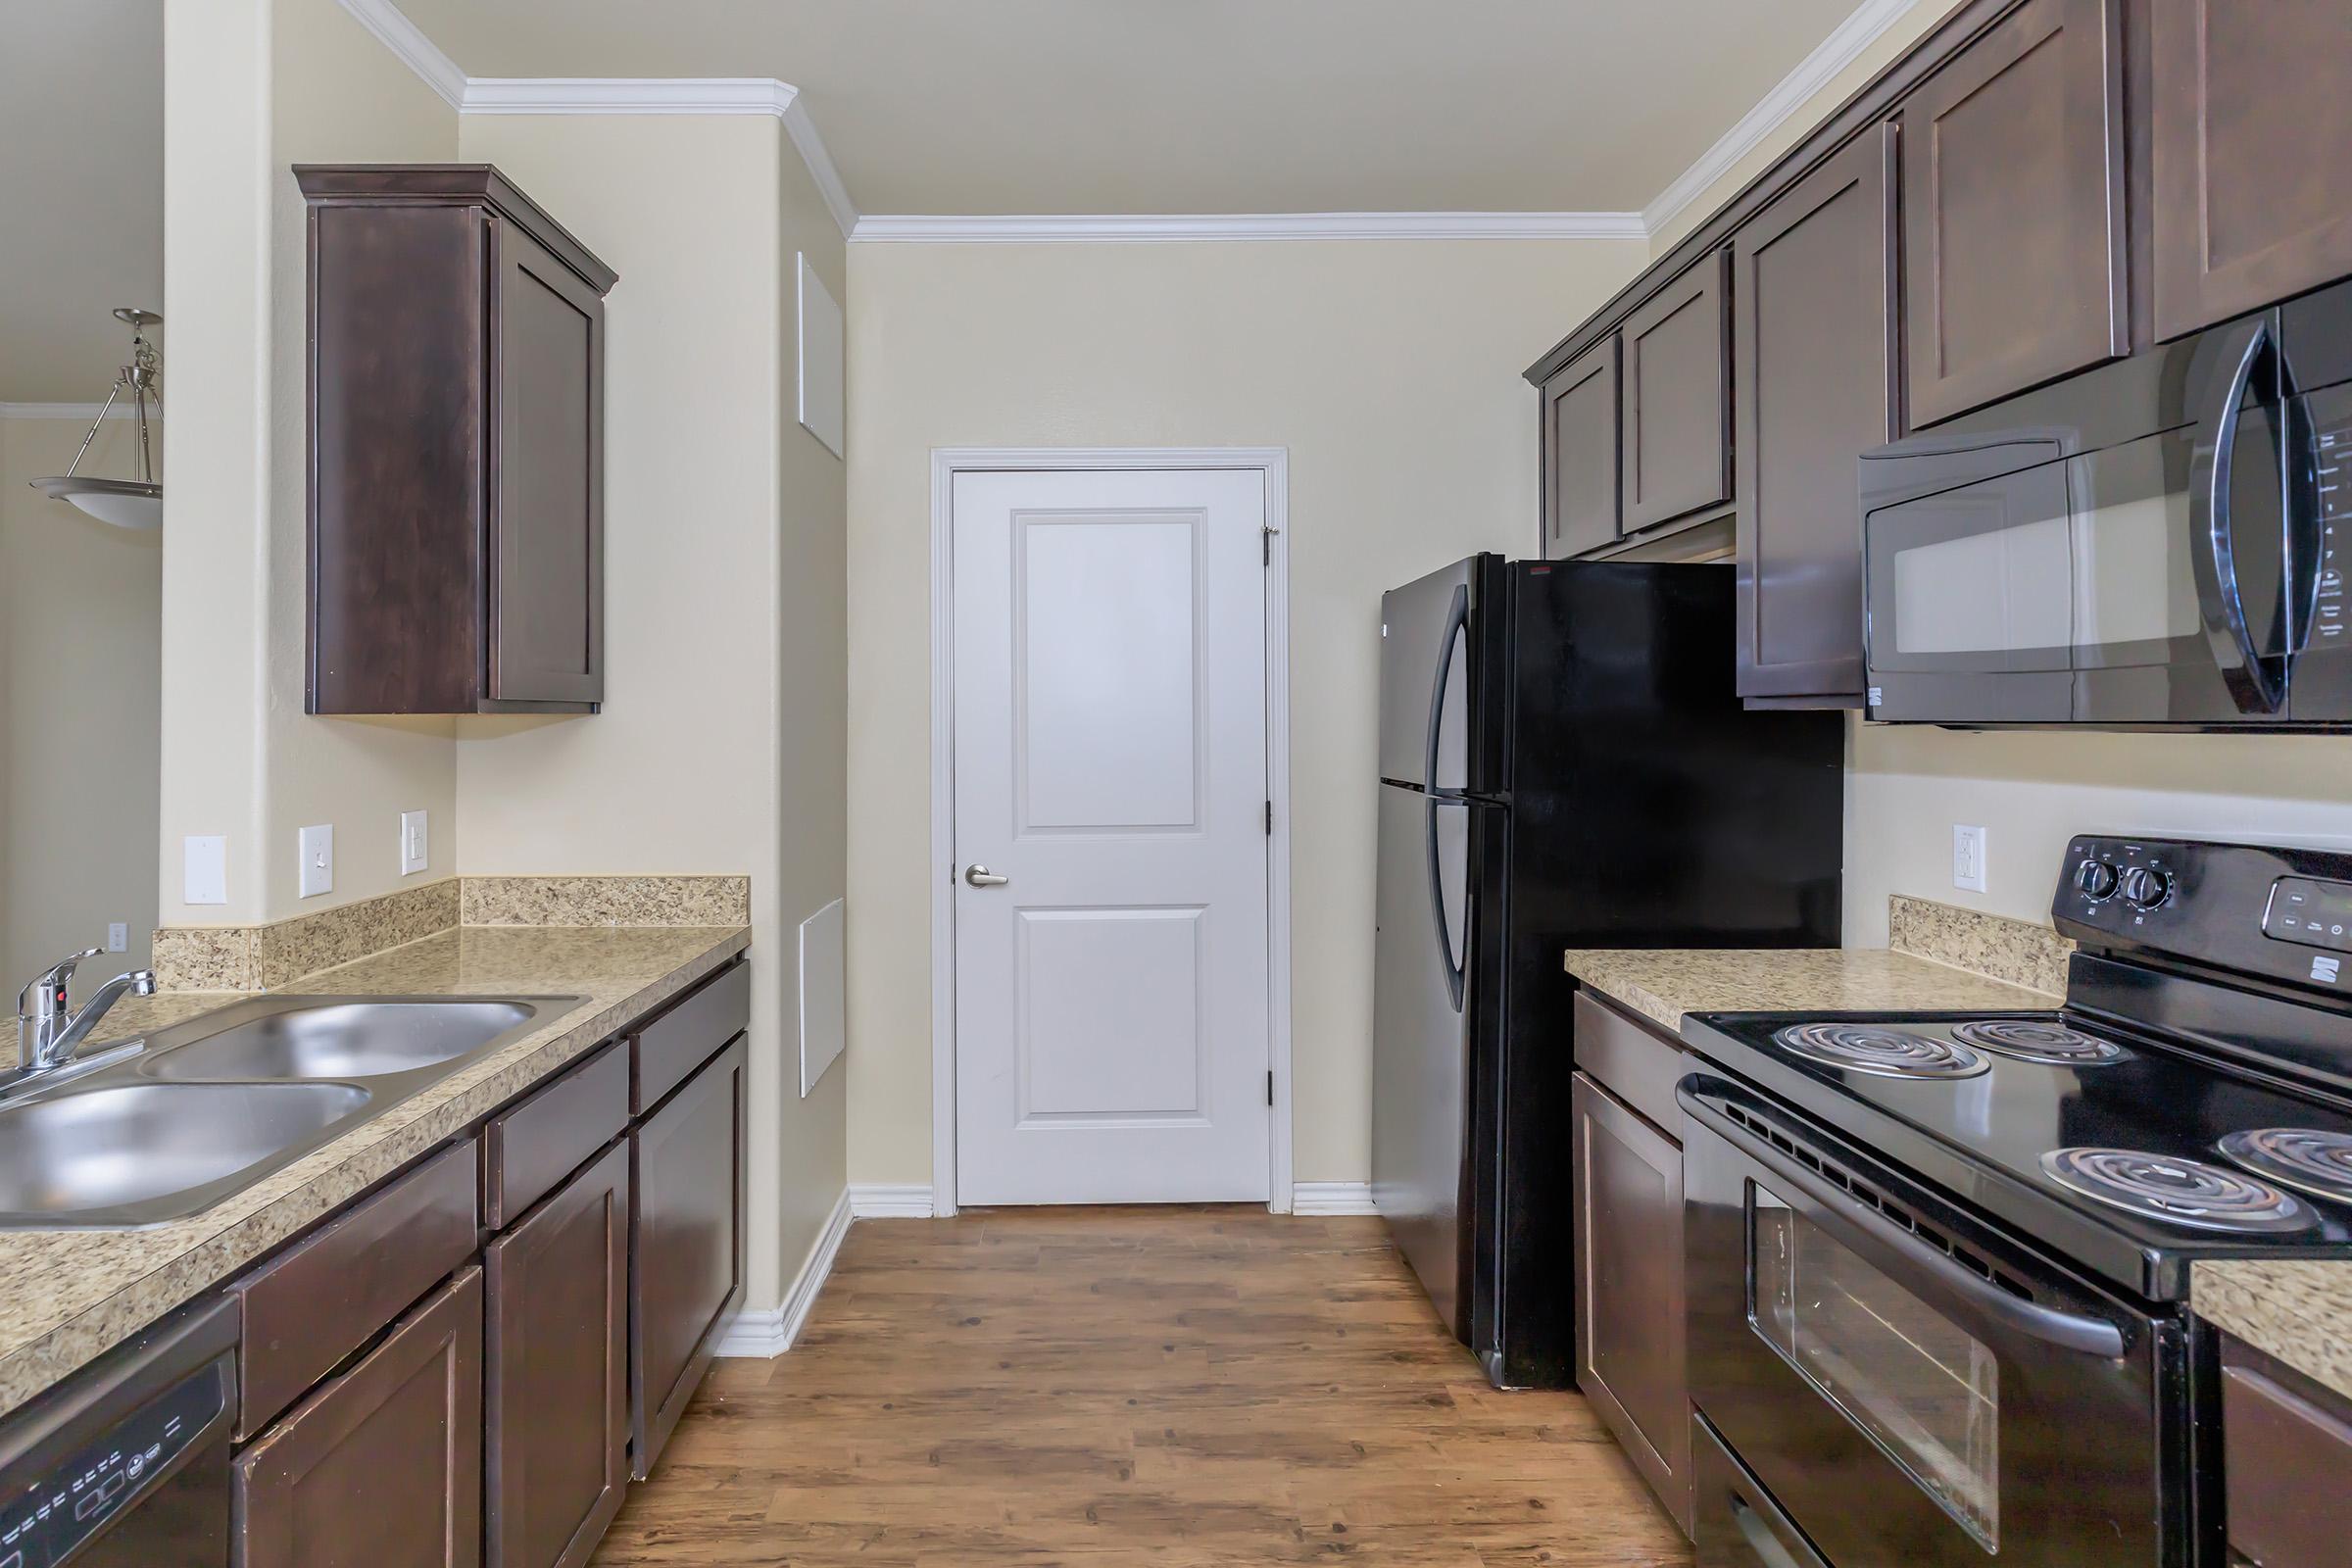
pixel 324 1298
pixel 686 1240
pixel 669 1048
pixel 384 1464
pixel 528 1151
pixel 1630 1061
pixel 2287 1463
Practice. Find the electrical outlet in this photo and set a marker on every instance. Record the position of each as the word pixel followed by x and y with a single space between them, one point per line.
pixel 118 937
pixel 205 877
pixel 316 847
pixel 413 855
pixel 1967 857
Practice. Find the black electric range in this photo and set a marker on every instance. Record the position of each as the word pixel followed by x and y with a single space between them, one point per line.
pixel 1925 1254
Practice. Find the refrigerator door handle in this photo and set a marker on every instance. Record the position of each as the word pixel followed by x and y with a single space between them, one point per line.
pixel 1456 976
pixel 1458 621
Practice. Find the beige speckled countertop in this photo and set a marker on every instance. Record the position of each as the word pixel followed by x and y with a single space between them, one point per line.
pixel 70 1295
pixel 1664 983
pixel 2299 1312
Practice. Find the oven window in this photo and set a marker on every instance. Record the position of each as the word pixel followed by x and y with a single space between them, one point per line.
pixel 1922 1389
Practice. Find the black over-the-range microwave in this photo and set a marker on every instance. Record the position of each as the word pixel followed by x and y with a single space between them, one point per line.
pixel 2159 543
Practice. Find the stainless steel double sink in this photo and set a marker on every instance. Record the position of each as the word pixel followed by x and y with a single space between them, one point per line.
pixel 147 1131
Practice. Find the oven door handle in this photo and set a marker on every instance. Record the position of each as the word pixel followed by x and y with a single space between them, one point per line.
pixel 1870 1234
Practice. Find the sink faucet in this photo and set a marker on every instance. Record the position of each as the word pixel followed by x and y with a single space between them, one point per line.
pixel 48 1030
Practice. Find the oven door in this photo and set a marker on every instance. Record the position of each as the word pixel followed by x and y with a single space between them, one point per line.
pixel 1904 1386
pixel 2015 575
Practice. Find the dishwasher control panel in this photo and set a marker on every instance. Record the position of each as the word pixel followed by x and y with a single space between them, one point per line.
pixel 45 1520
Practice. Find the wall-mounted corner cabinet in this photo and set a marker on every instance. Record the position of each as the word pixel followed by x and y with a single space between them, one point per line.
pixel 456 457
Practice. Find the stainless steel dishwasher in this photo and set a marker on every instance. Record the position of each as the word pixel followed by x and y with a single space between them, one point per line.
pixel 126 1462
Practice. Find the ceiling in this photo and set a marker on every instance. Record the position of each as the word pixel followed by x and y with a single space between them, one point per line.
pixel 81 190
pixel 953 107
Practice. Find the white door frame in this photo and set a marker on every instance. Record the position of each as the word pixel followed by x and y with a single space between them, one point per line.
pixel 1273 464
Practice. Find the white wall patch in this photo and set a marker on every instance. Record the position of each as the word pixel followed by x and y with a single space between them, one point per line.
pixel 824 337
pixel 823 985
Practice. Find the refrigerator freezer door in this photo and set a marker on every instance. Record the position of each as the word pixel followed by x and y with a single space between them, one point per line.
pixel 1425 679
pixel 1420 1008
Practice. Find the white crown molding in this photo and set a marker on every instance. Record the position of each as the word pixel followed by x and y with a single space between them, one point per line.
pixel 802 131
pixel 1333 1198
pixel 1842 48
pixel 890 1200
pixel 764 1336
pixel 1115 228
pixel 83 412
pixel 395 31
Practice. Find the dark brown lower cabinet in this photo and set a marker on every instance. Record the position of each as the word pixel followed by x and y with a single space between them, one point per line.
pixel 1629 1288
pixel 381 1465
pixel 686 1226
pixel 556 1395
pixel 2287 1463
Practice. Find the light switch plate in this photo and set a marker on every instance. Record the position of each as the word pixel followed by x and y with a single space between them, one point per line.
pixel 316 846
pixel 204 874
pixel 413 847
pixel 1967 857
pixel 118 937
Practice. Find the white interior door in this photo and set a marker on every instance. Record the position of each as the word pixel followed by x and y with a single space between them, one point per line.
pixel 1112 1006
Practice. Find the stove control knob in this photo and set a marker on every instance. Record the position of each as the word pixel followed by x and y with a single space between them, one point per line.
pixel 2095 880
pixel 2145 888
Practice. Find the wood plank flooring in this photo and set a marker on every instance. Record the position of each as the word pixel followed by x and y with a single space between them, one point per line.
pixel 1164 1388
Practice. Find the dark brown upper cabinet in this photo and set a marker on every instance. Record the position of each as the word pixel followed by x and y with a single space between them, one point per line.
pixel 1677 398
pixel 457 364
pixel 1815 346
pixel 2250 136
pixel 2013 209
pixel 1579 439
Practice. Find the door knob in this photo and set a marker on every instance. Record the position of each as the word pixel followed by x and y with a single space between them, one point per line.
pixel 980 876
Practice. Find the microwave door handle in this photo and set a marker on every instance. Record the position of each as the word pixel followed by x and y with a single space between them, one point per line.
pixel 2224 599
pixel 1868 1232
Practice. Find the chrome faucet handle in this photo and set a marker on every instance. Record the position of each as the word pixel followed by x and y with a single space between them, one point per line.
pixel 52 984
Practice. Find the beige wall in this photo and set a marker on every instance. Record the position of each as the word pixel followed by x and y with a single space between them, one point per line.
pixel 721 744
pixel 79 687
pixel 252 87
pixel 1391 374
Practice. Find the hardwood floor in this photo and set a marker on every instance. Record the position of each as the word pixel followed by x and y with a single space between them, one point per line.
pixel 1165 1387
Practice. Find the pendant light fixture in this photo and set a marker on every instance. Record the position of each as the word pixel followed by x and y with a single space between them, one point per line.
pixel 124 503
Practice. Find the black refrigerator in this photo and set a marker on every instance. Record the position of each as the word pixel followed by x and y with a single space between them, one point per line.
pixel 1564 763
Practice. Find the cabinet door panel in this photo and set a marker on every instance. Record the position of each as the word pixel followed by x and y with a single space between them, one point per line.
pixel 1815 348
pixel 1579 453
pixel 557 1371
pixel 2013 232
pixel 547 471
pixel 1629 1288
pixel 687 1241
pixel 1676 396
pixel 382 1464
pixel 2251 140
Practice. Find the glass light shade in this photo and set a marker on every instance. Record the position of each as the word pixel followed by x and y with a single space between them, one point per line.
pixel 124 503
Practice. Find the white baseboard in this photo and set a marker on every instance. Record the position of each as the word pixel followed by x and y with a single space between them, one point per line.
pixel 1332 1198
pixel 890 1200
pixel 764 1336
